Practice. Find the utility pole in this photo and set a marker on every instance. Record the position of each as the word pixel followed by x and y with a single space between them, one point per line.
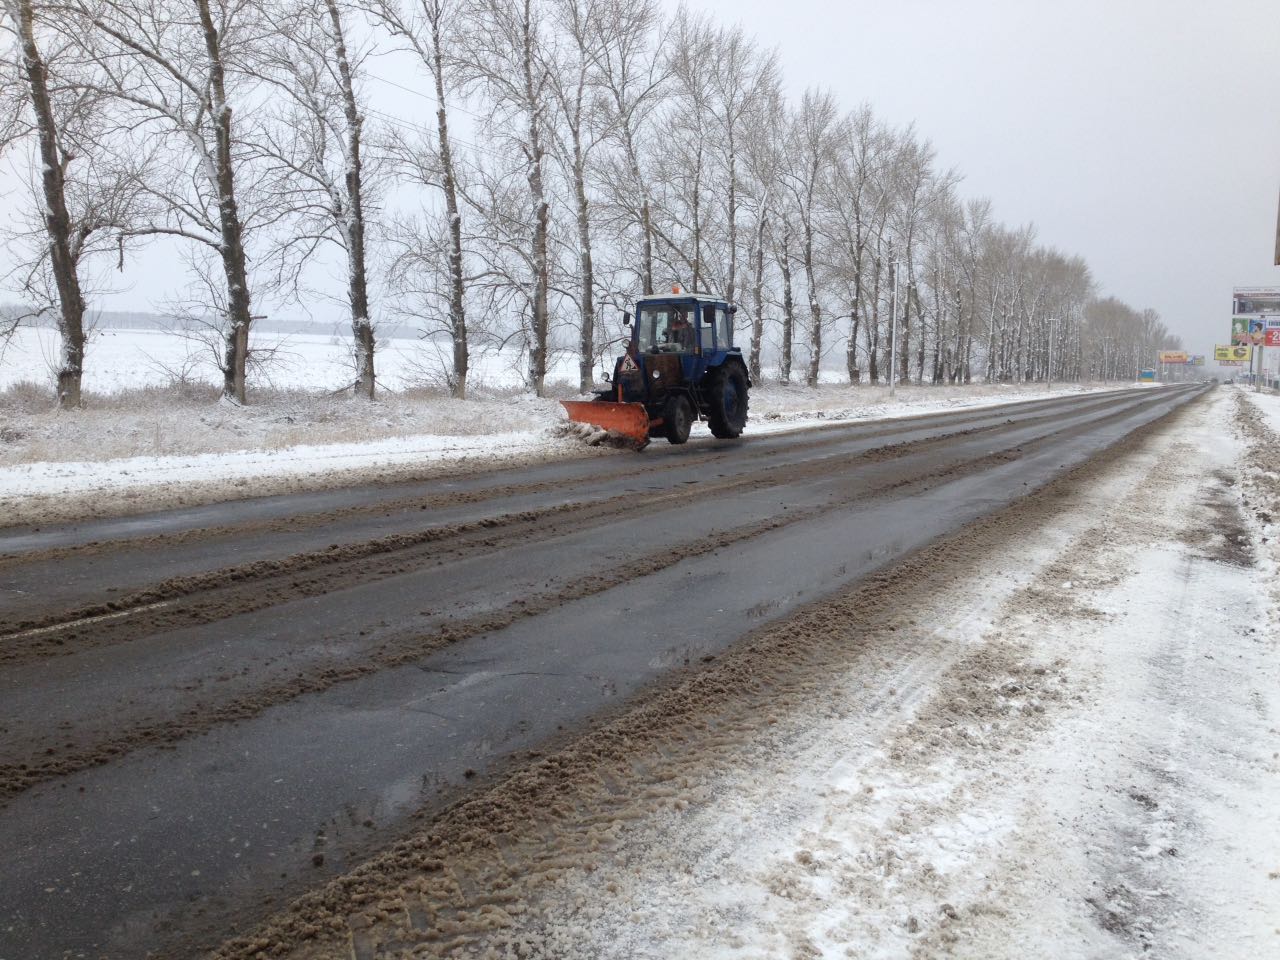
pixel 1257 384
pixel 1278 236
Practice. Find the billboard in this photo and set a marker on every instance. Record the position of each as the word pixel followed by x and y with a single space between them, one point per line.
pixel 1197 360
pixel 1146 376
pixel 1255 302
pixel 1232 354
pixel 1247 330
pixel 1173 356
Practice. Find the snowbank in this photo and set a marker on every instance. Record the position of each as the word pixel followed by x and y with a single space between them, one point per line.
pixel 153 433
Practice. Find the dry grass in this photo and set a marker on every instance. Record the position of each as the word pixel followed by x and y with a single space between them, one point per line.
pixel 183 419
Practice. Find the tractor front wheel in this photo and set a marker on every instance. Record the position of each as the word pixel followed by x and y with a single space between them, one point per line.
pixel 726 394
pixel 677 419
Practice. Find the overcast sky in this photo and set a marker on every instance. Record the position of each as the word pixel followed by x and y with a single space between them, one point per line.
pixel 1141 135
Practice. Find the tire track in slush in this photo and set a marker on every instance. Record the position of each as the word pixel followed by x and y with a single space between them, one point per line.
pixel 773 446
pixel 256 586
pixel 19 775
pixel 467 870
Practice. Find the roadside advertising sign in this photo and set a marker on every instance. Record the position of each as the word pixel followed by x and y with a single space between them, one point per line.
pixel 1247 330
pixel 1173 356
pixel 1230 363
pixel 1197 360
pixel 1232 354
pixel 1272 337
pixel 1255 302
pixel 1146 376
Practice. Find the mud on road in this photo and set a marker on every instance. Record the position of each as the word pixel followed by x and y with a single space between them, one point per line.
pixel 329 601
pixel 998 693
pixel 165 615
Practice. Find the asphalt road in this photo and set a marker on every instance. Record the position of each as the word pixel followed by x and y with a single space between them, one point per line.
pixel 208 711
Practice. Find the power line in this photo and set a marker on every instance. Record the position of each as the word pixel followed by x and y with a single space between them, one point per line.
pixel 430 98
pixel 427 132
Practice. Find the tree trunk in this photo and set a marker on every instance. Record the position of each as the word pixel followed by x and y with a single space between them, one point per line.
pixel 904 332
pixel 56 219
pixel 942 359
pixel 541 281
pixel 923 338
pixel 815 310
pixel 873 326
pixel 646 218
pixel 788 311
pixel 586 269
pixel 757 300
pixel 851 352
pixel 353 221
pixel 449 184
pixel 697 220
pixel 855 320
pixel 239 317
pixel 730 290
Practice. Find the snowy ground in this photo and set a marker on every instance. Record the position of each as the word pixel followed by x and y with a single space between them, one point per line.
pixel 1056 735
pixel 122 359
pixel 146 440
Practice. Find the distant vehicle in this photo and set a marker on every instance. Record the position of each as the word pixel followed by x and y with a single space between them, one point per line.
pixel 680 365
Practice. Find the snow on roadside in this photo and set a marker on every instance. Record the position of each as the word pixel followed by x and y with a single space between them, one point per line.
pixel 1093 774
pixel 1257 421
pixel 1268 404
pixel 1069 749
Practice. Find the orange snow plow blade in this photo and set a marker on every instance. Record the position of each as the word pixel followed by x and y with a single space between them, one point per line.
pixel 628 419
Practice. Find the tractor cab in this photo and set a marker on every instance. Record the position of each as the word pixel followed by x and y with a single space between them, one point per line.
pixel 692 325
pixel 680 366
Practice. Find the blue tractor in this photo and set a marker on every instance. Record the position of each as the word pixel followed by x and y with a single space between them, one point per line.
pixel 680 365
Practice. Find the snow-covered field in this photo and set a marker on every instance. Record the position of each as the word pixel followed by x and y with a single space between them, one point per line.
pixel 153 436
pixel 127 359
pixel 1062 742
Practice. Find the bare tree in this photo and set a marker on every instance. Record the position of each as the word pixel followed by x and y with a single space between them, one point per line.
pixel 170 66
pixel 429 29
pixel 634 80
pixel 315 151
pixel 63 257
pixel 584 123
pixel 684 162
pixel 504 57
pixel 811 141
pixel 788 306
pixel 762 153
pixel 857 205
pixel 744 83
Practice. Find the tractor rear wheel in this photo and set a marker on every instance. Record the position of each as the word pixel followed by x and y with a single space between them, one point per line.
pixel 677 419
pixel 726 394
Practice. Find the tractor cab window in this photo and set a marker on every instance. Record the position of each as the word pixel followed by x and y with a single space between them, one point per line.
pixel 706 327
pixel 719 319
pixel 666 328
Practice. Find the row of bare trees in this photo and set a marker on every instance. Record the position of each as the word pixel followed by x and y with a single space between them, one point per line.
pixel 556 159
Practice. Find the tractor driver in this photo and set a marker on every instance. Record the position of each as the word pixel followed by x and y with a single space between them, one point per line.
pixel 679 331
